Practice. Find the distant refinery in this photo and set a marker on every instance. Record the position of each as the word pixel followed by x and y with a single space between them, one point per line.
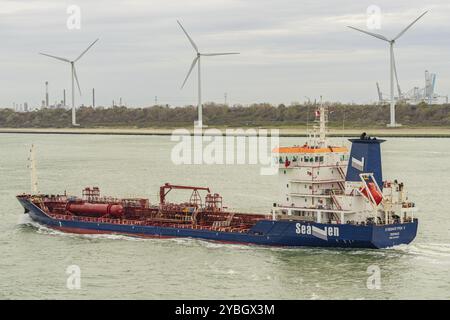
pixel 45 103
pixel 416 95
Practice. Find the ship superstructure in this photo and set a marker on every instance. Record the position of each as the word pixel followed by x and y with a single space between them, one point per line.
pixel 312 177
pixel 322 182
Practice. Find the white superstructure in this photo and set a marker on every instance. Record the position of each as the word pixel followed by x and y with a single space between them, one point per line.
pixel 315 186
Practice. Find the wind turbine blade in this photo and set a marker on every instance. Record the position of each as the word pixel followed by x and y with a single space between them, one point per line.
pixel 396 77
pixel 55 57
pixel 376 35
pixel 76 79
pixel 409 26
pixel 218 54
pixel 190 70
pixel 189 38
pixel 82 54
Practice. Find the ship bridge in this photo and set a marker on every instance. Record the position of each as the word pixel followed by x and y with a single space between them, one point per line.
pixel 312 176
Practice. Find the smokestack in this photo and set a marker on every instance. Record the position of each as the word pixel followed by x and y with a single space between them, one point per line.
pixel 365 157
pixel 93 97
pixel 46 94
pixel 64 97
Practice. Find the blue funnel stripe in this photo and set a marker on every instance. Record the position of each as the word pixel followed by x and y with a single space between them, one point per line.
pixel 365 157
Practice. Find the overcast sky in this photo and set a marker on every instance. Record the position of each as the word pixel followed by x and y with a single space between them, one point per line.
pixel 289 49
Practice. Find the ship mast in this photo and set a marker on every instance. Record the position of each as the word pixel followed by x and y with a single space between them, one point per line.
pixel 318 138
pixel 32 166
pixel 322 123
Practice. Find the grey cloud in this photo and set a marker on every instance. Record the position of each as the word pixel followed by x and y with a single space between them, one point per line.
pixel 289 48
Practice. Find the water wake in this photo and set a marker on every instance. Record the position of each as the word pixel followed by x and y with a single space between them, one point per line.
pixel 431 250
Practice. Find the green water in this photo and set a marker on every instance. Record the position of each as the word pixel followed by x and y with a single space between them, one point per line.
pixel 33 259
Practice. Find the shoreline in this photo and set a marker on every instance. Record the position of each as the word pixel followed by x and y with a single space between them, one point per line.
pixel 284 132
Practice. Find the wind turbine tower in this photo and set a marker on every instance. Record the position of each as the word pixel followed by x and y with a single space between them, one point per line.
pixel 74 78
pixel 196 61
pixel 393 70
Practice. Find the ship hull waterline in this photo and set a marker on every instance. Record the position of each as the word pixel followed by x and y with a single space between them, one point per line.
pixel 265 232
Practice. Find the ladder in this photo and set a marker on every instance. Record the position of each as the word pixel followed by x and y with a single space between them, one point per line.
pixel 335 200
pixel 342 174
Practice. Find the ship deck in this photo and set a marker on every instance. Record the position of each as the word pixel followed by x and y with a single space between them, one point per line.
pixel 137 212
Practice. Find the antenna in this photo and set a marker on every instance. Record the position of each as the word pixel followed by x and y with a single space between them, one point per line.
pixel 32 167
pixel 393 69
pixel 73 76
pixel 307 117
pixel 196 61
pixel 343 124
pixel 322 122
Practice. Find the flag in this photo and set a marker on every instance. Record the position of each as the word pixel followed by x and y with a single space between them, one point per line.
pixel 287 163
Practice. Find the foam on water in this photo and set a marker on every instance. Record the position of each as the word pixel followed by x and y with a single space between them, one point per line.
pixel 433 250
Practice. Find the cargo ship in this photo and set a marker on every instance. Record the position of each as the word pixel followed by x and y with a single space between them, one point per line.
pixel 330 197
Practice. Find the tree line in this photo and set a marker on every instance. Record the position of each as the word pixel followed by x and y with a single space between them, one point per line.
pixel 260 114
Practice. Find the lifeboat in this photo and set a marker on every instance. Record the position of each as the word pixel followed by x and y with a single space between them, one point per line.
pixel 374 192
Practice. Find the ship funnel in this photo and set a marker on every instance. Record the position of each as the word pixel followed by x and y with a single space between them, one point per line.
pixel 365 157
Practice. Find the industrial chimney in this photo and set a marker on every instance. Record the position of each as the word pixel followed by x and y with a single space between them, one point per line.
pixel 46 94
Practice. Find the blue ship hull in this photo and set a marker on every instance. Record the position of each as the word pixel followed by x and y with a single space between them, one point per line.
pixel 266 232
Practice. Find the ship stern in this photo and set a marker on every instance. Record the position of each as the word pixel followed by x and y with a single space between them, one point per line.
pixel 387 236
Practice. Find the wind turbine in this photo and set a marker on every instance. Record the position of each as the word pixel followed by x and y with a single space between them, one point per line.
pixel 393 69
pixel 73 76
pixel 196 60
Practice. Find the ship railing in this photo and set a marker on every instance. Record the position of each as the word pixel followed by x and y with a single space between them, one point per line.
pixel 408 205
pixel 336 192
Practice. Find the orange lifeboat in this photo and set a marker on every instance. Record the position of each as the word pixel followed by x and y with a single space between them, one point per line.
pixel 374 192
